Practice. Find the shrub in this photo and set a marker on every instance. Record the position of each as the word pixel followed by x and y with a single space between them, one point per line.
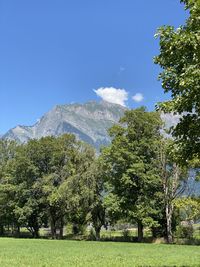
pixel 92 234
pixel 184 231
pixel 126 234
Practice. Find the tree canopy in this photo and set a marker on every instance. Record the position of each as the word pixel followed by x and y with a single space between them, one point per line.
pixel 132 170
pixel 180 60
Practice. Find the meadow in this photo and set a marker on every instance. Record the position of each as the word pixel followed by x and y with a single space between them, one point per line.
pixel 43 253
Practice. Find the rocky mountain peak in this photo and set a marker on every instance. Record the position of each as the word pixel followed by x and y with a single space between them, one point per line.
pixel 89 122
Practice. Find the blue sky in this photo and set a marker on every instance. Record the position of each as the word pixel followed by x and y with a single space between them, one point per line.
pixel 63 51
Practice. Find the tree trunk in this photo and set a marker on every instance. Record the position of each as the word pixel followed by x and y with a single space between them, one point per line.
pixel 140 231
pixel 169 212
pixel 61 228
pixel 53 229
pixel 17 231
pixel 75 229
pixel 36 232
pixel 1 230
pixel 12 229
pixel 97 232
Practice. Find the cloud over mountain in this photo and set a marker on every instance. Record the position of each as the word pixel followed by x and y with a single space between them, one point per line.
pixel 113 95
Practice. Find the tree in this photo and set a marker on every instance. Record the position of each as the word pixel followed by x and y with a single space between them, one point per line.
pixel 22 177
pixel 95 193
pixel 55 161
pixel 43 181
pixel 75 188
pixel 7 153
pixel 34 175
pixel 131 163
pixel 180 60
pixel 174 180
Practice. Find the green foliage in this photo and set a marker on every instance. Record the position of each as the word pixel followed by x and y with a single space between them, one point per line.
pixel 94 191
pixel 174 181
pixel 184 231
pixel 92 234
pixel 126 234
pixel 55 181
pixel 180 60
pixel 42 181
pixel 188 208
pixel 131 165
pixel 7 153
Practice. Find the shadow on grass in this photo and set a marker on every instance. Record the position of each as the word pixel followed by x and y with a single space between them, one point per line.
pixel 128 239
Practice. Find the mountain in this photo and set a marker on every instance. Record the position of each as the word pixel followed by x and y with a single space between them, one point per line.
pixel 89 122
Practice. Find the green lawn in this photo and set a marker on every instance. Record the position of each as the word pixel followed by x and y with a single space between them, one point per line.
pixel 38 253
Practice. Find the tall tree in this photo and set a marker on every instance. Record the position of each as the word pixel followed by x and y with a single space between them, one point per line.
pixel 22 176
pixel 54 158
pixel 180 60
pixel 78 188
pixel 7 153
pixel 131 160
pixel 63 183
pixel 95 186
pixel 174 181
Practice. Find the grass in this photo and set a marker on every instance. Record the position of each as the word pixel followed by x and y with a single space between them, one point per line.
pixel 43 253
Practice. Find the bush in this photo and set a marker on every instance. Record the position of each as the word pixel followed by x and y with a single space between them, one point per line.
pixel 126 234
pixel 184 231
pixel 92 234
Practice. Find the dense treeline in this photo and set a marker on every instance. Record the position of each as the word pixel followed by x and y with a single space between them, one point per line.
pixel 42 182
pixel 53 181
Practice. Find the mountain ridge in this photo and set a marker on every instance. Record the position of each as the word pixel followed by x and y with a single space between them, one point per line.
pixel 89 122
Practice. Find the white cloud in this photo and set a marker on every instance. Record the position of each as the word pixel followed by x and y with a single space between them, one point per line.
pixel 113 95
pixel 138 97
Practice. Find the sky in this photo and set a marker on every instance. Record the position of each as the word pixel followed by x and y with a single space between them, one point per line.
pixel 73 51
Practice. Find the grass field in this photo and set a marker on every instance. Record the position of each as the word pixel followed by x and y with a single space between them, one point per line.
pixel 43 253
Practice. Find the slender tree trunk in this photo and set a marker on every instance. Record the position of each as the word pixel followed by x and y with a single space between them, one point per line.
pixel 97 232
pixel 169 212
pixel 171 181
pixel 12 229
pixel 1 230
pixel 61 228
pixel 17 231
pixel 140 231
